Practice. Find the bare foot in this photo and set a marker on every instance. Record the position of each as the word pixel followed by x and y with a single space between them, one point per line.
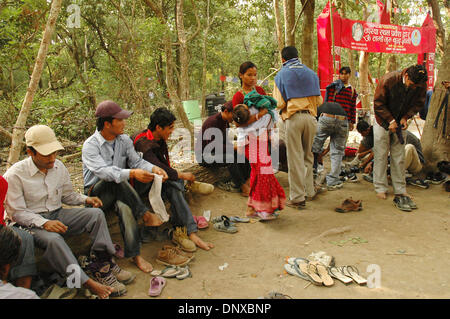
pixel 381 195
pixel 151 219
pixel 245 190
pixel 199 242
pixel 250 212
pixel 98 289
pixel 142 264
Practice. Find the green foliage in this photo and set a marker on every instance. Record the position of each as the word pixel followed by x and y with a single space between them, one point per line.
pixel 118 54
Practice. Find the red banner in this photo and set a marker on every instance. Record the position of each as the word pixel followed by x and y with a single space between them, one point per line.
pixel 389 38
pixel 369 37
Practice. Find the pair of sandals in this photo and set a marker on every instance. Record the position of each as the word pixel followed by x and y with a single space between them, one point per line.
pixel 173 272
pixel 313 271
pixel 347 275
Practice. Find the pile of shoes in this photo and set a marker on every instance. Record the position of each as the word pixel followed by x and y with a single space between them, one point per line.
pixel 320 269
pixel 228 224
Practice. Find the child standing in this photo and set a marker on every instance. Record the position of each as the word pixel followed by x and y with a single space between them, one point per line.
pixel 266 194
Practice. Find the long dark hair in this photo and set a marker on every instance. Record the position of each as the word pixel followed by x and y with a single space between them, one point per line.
pixel 244 67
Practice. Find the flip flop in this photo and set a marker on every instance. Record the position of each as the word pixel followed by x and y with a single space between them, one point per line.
pixel 352 272
pixel 201 222
pixel 185 273
pixel 309 270
pixel 225 227
pixel 336 273
pixel 156 286
pixel 323 274
pixel 238 219
pixel 292 270
pixel 296 260
pixel 57 292
pixel 265 216
pixel 168 272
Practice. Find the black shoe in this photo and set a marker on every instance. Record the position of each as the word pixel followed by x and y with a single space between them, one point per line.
pixel 444 167
pixel 297 205
pixel 410 202
pixel 417 182
pixel 368 177
pixel 438 178
pixel 429 178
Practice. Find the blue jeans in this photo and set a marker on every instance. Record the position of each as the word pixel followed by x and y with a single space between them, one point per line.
pixel 173 191
pixel 337 130
pixel 125 201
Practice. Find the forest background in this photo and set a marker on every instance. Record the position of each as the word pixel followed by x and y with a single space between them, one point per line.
pixel 146 54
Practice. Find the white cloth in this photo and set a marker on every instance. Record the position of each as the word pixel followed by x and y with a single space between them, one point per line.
pixel 32 192
pixel 154 197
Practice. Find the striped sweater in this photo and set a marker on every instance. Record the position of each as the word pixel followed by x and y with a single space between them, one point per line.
pixel 346 98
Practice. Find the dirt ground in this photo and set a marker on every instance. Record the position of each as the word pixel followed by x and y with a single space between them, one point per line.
pixel 411 249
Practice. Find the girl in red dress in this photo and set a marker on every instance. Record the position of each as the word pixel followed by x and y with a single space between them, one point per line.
pixel 266 195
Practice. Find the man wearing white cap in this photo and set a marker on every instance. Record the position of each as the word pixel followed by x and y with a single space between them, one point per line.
pixel 38 186
pixel 106 155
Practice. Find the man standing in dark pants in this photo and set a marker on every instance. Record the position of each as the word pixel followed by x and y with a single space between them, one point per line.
pixel 152 143
pixel 398 97
pixel 332 123
pixel 106 154
pixel 213 149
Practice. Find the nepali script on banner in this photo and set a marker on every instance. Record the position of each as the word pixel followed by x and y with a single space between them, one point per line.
pixel 389 38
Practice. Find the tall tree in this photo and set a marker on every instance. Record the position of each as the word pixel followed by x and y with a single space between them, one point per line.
pixel 308 33
pixel 289 22
pixel 435 141
pixel 19 128
pixel 279 27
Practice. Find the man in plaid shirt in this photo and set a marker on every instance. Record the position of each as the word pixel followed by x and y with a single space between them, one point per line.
pixel 342 92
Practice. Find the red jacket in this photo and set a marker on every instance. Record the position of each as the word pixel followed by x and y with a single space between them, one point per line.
pixel 238 97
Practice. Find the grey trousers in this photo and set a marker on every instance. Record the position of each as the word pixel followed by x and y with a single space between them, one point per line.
pixel 385 142
pixel 25 265
pixel 78 220
pixel 299 131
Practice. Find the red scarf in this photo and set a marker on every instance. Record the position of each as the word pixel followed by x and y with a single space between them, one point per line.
pixel 3 190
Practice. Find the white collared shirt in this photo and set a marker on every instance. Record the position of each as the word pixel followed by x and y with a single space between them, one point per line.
pixel 31 192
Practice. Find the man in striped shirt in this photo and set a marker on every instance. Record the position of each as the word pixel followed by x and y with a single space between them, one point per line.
pixel 342 92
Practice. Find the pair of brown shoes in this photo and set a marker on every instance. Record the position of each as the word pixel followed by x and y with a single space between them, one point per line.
pixel 349 205
pixel 173 256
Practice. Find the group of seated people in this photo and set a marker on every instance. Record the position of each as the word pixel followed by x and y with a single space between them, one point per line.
pixel 116 178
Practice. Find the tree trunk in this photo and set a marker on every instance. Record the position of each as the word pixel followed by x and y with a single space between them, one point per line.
pixel 183 53
pixel 19 128
pixel 209 22
pixel 308 33
pixel 436 147
pixel 170 69
pixel 289 21
pixel 391 64
pixel 279 27
pixel 364 75
pixel 440 31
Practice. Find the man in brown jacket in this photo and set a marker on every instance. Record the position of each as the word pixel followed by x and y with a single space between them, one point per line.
pixel 398 97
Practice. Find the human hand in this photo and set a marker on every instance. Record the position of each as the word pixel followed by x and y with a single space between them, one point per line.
pixel 94 202
pixel 158 170
pixel 393 126
pixel 404 123
pixel 55 226
pixel 351 126
pixel 262 113
pixel 141 175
